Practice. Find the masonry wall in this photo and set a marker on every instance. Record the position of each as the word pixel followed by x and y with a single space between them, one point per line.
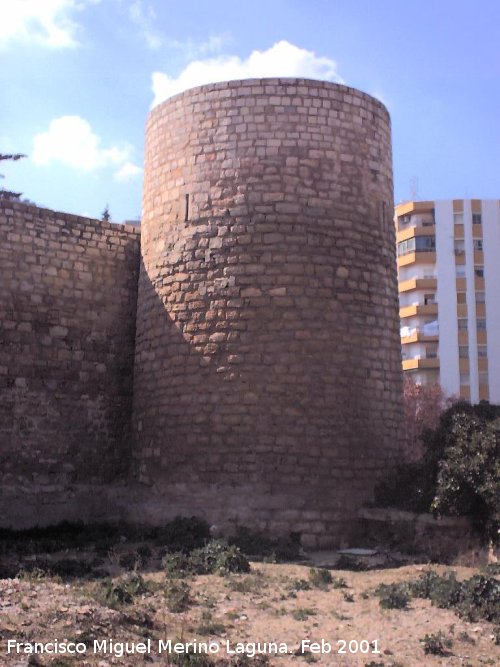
pixel 68 289
pixel 268 371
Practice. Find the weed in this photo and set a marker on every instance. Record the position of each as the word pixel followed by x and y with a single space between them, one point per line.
pixel 320 578
pixel 208 626
pixel 300 585
pixel 176 565
pixel 436 644
pixel 191 659
pixel 466 638
pixel 217 557
pixel 339 582
pixel 302 614
pixel 348 597
pixel 251 584
pixel 115 594
pixel 177 597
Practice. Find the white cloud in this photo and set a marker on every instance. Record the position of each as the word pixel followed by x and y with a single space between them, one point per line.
pixel 144 17
pixel 281 60
pixel 44 22
pixel 127 172
pixel 71 141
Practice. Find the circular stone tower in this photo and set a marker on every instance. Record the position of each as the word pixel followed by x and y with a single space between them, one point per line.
pixel 268 366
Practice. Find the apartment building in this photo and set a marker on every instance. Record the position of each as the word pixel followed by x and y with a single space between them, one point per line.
pixel 449 294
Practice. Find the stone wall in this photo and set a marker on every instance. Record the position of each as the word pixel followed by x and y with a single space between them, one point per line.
pixel 68 289
pixel 267 386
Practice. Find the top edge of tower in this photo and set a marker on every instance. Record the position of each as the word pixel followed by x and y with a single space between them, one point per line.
pixel 237 88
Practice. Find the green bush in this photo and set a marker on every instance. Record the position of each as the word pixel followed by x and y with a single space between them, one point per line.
pixel 218 557
pixel 459 473
pixel 480 599
pixel 177 597
pixel 117 593
pixel 393 596
pixel 474 599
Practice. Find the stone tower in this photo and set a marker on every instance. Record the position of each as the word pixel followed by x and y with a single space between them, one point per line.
pixel 268 370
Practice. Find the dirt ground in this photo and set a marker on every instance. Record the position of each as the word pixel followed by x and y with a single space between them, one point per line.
pixel 269 604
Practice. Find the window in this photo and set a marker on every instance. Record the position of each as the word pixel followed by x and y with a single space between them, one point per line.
pixel 425 243
pixel 458 218
pixel 481 324
pixel 479 271
pixel 482 351
pixel 476 219
pixel 478 244
pixel 483 377
pixel 406 247
pixel 463 351
pixel 461 298
pixel 459 247
pixel 429 299
pixel 460 271
pixel 464 379
pixel 479 297
pixel 462 324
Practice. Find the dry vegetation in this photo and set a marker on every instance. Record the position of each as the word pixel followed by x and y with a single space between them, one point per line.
pixel 128 592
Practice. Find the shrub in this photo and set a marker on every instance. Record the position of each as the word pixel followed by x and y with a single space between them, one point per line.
pixel 176 565
pixel 303 613
pixel 178 597
pixel 480 599
pixel 436 644
pixel 300 585
pixel 114 594
pixel 320 578
pixel 217 557
pixel 459 473
pixel 393 596
pixel 474 599
pixel 208 626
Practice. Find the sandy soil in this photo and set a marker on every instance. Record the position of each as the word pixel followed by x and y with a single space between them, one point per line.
pixel 262 606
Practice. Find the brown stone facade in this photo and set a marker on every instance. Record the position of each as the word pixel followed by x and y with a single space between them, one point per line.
pixel 267 384
pixel 68 293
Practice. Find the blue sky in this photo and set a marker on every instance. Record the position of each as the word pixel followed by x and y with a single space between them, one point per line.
pixel 79 77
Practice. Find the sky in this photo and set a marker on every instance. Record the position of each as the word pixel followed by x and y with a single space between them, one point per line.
pixel 79 77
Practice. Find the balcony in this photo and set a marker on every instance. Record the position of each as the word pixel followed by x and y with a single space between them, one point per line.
pixel 418 309
pixel 417 283
pixel 418 257
pixel 420 364
pixel 420 229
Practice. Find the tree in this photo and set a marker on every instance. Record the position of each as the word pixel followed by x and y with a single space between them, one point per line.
pixel 8 194
pixel 105 215
pixel 423 406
